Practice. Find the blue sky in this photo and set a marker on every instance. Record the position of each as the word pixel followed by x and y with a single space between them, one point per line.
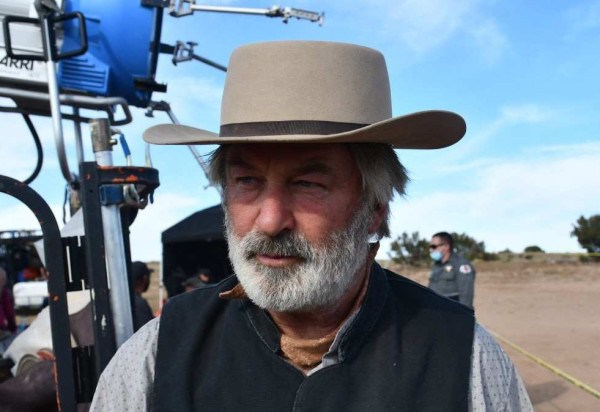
pixel 524 75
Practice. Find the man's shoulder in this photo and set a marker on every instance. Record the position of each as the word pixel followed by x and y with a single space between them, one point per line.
pixel 396 279
pixel 404 288
pixel 495 382
pixel 198 298
pixel 459 259
pixel 116 390
pixel 461 264
pixel 139 300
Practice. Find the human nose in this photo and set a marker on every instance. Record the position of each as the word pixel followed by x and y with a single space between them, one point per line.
pixel 275 214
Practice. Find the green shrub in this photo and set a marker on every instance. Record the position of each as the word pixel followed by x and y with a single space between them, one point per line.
pixel 533 249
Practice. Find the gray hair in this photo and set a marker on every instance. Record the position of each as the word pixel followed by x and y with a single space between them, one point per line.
pixel 381 171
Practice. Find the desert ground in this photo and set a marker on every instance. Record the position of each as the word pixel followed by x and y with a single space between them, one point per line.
pixel 546 304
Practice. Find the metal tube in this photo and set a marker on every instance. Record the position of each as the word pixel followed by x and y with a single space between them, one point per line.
pixel 55 102
pixel 236 10
pixel 78 140
pixel 87 102
pixel 120 301
pixel 210 63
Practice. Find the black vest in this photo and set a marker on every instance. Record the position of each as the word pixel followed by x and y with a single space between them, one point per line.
pixel 407 350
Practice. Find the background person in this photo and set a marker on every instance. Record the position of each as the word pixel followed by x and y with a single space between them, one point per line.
pixel 452 275
pixel 202 279
pixel 8 324
pixel 140 276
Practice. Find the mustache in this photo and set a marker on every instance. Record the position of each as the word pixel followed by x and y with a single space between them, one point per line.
pixel 284 244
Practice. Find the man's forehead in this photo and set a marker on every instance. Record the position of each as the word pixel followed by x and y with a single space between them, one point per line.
pixel 323 157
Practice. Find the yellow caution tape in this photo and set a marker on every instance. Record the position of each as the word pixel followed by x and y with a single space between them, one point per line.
pixel 546 365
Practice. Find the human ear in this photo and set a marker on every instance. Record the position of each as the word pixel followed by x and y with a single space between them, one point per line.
pixel 379 214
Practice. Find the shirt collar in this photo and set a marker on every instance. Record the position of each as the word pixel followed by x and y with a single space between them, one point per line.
pixel 352 333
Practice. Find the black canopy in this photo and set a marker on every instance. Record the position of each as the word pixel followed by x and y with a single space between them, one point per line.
pixel 204 225
pixel 198 241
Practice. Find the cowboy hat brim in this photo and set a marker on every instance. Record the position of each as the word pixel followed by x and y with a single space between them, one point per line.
pixel 433 129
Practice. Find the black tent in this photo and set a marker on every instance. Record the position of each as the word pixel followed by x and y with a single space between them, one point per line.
pixel 198 241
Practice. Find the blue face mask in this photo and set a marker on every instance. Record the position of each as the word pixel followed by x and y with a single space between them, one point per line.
pixel 436 255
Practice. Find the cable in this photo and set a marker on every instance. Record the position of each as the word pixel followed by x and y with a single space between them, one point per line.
pixel 125 147
pixel 65 200
pixel 38 146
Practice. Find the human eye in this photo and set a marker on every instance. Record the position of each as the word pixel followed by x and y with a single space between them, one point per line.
pixel 244 186
pixel 305 184
pixel 246 181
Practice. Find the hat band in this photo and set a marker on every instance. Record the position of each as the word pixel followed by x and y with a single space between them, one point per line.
pixel 288 127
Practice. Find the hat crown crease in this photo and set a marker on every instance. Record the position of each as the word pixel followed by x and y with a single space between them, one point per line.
pixel 306 81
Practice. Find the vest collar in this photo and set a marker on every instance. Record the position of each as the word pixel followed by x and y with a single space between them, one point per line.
pixel 368 315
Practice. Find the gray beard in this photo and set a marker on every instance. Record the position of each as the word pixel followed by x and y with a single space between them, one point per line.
pixel 324 273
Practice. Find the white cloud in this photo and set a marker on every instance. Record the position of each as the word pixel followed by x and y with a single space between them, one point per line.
pixel 510 115
pixel 168 209
pixel 470 154
pixel 513 203
pixel 18 155
pixel 489 40
pixel 567 149
pixel 146 230
pixel 476 164
pixel 17 216
pixel 426 25
pixel 196 100
pixel 17 213
pixel 524 113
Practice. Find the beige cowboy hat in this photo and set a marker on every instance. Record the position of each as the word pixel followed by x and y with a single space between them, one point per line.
pixel 305 91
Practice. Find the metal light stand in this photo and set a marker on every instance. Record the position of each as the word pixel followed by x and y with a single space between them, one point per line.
pixel 102 191
pixel 116 261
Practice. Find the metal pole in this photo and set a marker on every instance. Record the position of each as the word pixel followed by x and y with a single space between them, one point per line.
pixel 210 63
pixel 78 140
pixel 275 11
pixel 236 10
pixel 53 93
pixel 120 301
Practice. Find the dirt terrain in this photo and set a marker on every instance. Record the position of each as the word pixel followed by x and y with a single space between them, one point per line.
pixel 547 305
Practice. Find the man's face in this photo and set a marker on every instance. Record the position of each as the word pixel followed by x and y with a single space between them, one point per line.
pixel 295 222
pixel 312 189
pixel 438 244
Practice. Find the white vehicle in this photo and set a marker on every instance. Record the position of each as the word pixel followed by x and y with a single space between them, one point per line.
pixel 30 295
